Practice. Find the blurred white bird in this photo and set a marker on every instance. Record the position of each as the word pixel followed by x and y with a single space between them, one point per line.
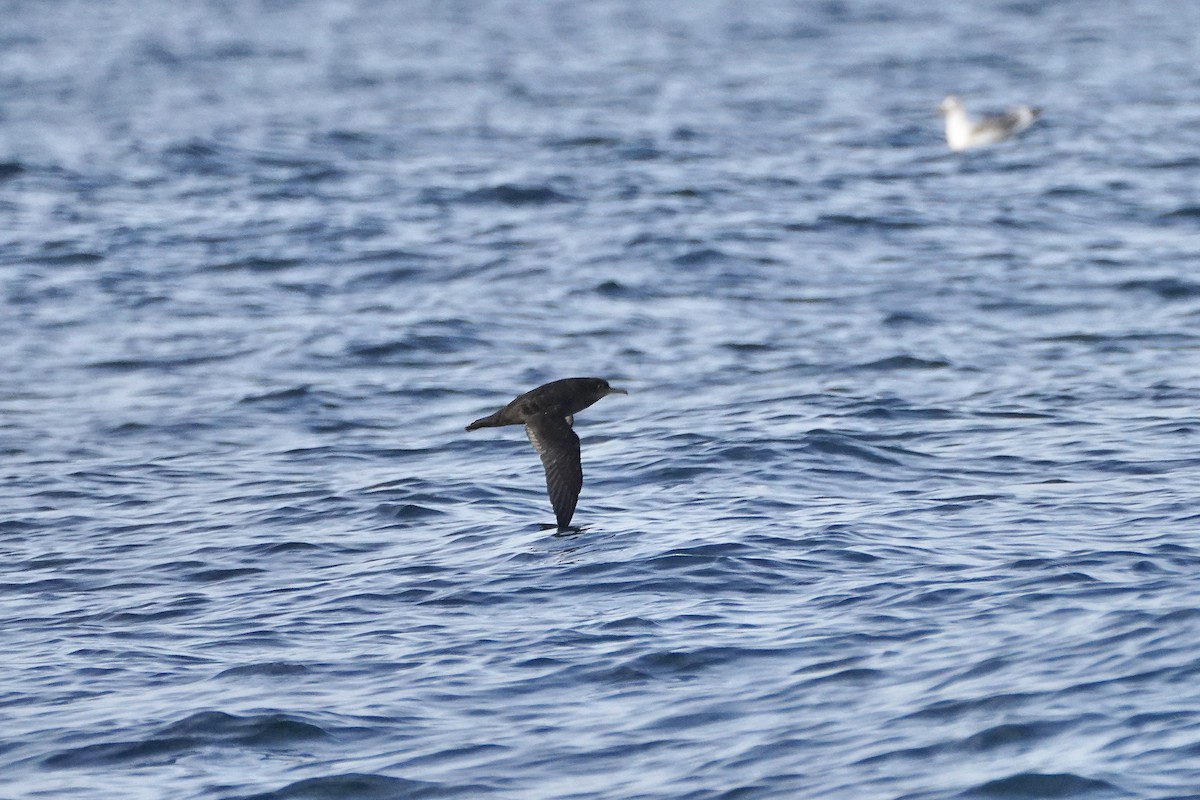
pixel 962 132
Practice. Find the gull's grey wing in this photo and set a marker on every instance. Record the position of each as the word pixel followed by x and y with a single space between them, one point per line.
pixel 558 447
pixel 1002 126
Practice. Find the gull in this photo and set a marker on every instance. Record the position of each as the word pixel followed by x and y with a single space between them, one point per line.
pixel 963 133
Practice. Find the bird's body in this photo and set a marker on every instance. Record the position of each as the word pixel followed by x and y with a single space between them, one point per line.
pixel 963 133
pixel 547 413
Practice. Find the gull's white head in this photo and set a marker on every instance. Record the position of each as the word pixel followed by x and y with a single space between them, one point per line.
pixel 949 104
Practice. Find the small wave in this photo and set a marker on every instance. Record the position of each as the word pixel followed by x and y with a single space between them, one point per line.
pixel 851 675
pixel 273 548
pixel 258 264
pixel 509 194
pixel 687 721
pixel 1166 288
pixel 700 257
pixel 683 664
pixel 383 279
pixel 288 394
pixel 418 345
pixel 1182 213
pixel 901 318
pixel 271 669
pixel 904 362
pixel 365 787
pixel 356 145
pixel 406 511
pixel 1186 162
pixel 218 575
pixel 857 221
pixel 584 141
pixel 1069 191
pixel 1044 786
pixel 269 730
pixel 196 731
pixel 164 363
pixel 830 443
pixel 151 751
pixel 616 289
pixel 1021 733
pixel 198 157
pixel 66 259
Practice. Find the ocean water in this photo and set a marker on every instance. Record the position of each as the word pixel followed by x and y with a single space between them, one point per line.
pixel 903 502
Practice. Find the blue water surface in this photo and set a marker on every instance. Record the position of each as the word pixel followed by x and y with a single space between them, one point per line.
pixel 903 501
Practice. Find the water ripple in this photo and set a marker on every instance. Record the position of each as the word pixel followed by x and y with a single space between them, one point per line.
pixel 900 504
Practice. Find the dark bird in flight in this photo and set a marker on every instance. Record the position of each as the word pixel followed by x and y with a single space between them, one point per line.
pixel 548 412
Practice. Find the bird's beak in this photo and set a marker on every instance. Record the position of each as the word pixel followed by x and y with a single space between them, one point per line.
pixel 615 390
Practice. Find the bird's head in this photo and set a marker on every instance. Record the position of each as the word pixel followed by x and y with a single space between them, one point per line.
pixel 948 105
pixel 601 388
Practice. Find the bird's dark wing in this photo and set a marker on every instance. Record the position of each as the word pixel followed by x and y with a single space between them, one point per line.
pixel 558 446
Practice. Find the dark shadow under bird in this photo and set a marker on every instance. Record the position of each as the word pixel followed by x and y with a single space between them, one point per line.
pixel 548 412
